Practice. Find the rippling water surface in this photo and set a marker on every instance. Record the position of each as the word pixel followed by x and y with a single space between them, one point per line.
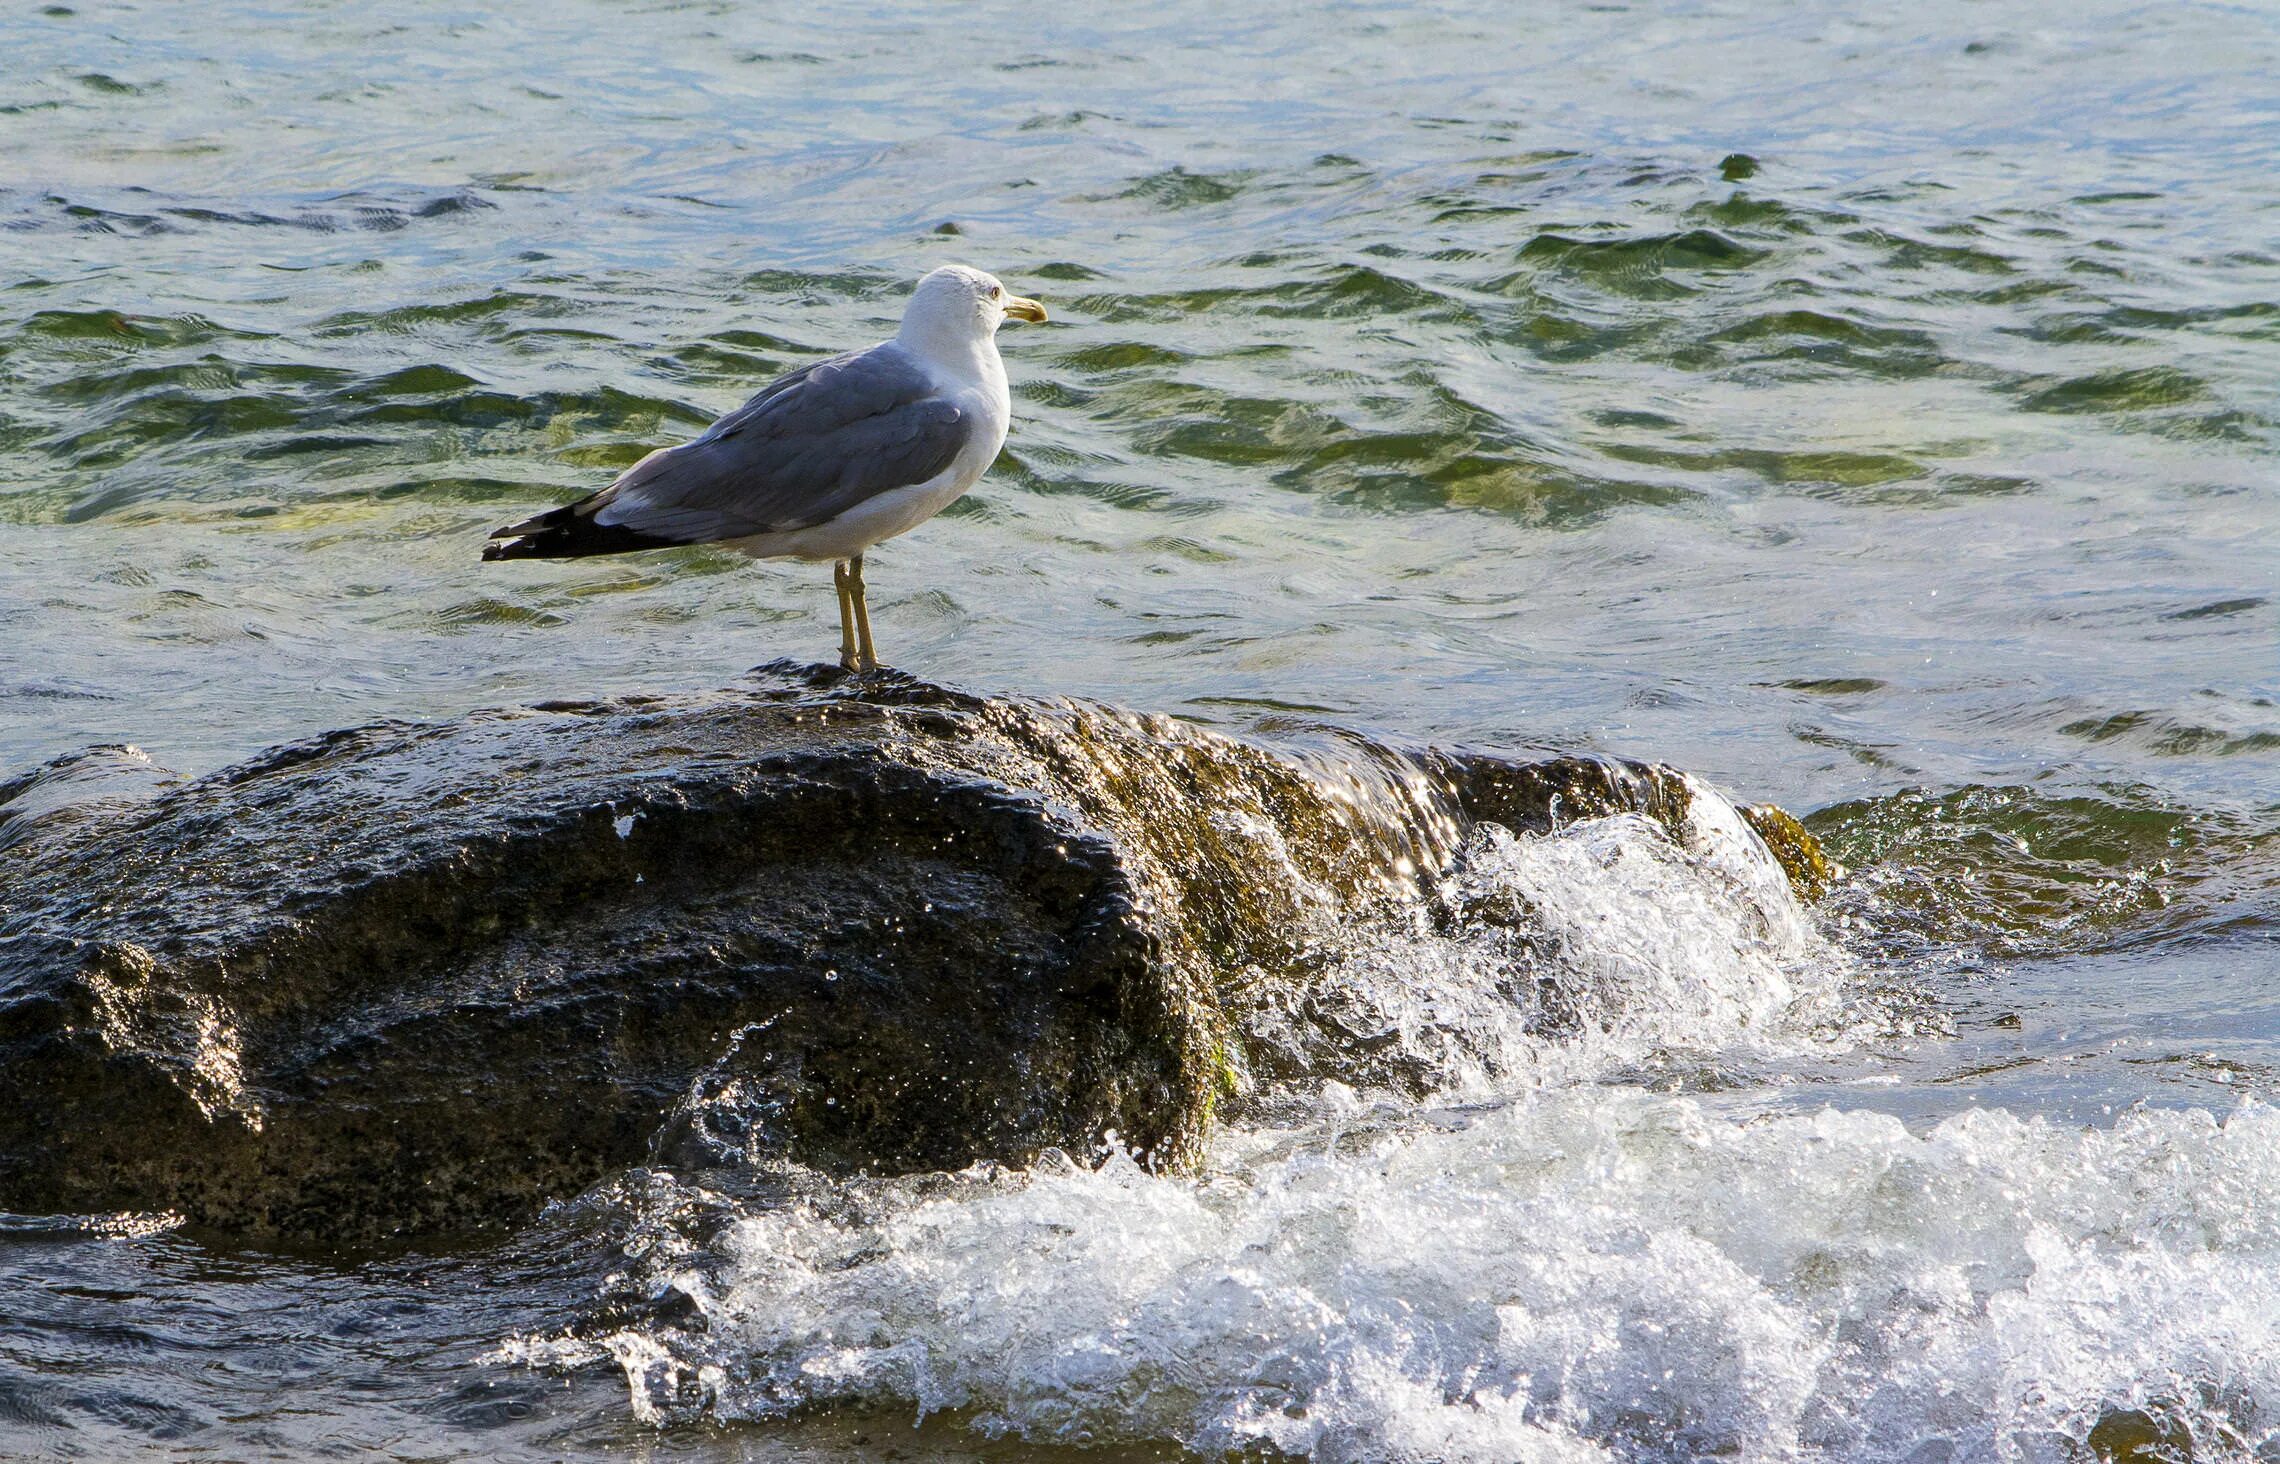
pixel 1878 412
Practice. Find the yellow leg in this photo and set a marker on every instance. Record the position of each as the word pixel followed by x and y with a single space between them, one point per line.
pixel 866 655
pixel 849 657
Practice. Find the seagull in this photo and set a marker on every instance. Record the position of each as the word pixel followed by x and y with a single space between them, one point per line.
pixel 824 462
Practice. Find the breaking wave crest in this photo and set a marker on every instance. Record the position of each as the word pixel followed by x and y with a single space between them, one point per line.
pixel 1499 1253
pixel 1602 947
pixel 1578 1274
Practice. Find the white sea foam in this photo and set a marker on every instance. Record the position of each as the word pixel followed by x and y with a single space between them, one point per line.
pixel 1581 1273
pixel 1570 955
pixel 1559 1267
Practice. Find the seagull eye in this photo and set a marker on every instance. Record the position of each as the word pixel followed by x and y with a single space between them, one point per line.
pixel 996 290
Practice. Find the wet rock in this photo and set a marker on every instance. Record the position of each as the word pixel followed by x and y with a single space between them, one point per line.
pixel 403 979
pixel 2137 1436
pixel 1811 871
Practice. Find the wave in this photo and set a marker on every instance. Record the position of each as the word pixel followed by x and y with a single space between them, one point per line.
pixel 1585 1274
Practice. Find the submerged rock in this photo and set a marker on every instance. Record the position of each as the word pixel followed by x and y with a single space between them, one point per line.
pixel 2137 1436
pixel 403 978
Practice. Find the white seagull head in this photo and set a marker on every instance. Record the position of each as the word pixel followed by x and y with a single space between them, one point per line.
pixel 955 303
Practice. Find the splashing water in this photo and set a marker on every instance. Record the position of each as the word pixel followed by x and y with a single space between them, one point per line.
pixel 1539 1264
pixel 1573 1274
pixel 1607 946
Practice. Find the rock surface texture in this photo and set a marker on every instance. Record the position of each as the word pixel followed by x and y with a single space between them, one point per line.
pixel 408 979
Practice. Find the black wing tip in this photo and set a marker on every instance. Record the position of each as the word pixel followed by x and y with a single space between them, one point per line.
pixel 567 534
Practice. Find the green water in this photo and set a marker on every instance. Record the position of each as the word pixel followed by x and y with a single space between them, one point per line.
pixel 1876 410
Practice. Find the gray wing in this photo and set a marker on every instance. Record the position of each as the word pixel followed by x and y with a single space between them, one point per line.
pixel 806 449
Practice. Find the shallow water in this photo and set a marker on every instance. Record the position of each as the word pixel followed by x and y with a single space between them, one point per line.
pixel 1874 413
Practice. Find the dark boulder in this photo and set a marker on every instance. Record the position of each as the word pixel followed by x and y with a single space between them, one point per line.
pixel 403 979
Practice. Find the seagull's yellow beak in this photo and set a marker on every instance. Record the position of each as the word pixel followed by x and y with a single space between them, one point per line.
pixel 1018 308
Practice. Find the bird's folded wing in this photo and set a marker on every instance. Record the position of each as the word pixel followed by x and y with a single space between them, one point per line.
pixel 807 449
